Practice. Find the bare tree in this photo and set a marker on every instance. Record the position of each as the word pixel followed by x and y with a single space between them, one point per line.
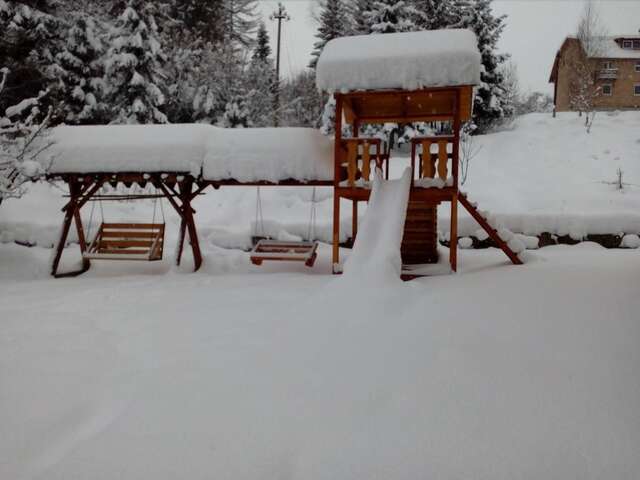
pixel 584 87
pixel 468 149
pixel 23 139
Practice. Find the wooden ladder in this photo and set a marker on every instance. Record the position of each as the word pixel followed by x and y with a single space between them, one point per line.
pixel 493 234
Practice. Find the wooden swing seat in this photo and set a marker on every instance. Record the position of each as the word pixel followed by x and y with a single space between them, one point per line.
pixel 127 241
pixel 281 251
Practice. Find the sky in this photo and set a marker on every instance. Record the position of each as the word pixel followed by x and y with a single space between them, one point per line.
pixel 534 31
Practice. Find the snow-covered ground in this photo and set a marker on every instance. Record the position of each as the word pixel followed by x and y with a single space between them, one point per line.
pixel 146 372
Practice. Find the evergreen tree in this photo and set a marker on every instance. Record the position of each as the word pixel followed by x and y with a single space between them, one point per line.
pixel 203 18
pixel 30 38
pixel 358 22
pixel 434 14
pixel 491 102
pixel 389 16
pixel 80 71
pixel 261 81
pixel 134 66
pixel 333 24
pixel 303 104
pixel 240 22
pixel 262 51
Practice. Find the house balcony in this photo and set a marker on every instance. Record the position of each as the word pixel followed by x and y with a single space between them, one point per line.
pixel 608 74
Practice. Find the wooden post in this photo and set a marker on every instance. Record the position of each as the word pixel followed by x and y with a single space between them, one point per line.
pixel 354 220
pixel 453 235
pixel 336 183
pixel 186 193
pixel 71 213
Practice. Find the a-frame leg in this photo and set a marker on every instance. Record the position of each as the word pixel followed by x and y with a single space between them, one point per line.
pixel 336 232
pixel 71 213
pixel 188 224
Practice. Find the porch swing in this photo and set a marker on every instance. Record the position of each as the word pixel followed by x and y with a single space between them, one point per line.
pixel 127 241
pixel 267 249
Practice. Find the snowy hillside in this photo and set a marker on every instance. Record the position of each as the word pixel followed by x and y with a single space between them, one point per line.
pixel 549 174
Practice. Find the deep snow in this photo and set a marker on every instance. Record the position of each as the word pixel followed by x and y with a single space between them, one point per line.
pixel 498 372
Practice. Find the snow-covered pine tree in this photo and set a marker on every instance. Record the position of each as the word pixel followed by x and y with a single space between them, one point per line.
pixel 491 102
pixel 332 24
pixel 390 16
pixel 236 113
pixel 134 66
pixel 302 103
pixel 240 22
pixel 433 14
pixel 30 38
pixel 357 21
pixel 203 18
pixel 262 51
pixel 80 70
pixel 261 81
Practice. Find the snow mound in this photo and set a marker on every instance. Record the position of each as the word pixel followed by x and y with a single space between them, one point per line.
pixel 271 154
pixel 376 251
pixel 406 61
pixel 630 241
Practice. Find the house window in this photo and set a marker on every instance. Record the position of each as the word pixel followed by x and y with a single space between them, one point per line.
pixel 636 89
pixel 638 67
pixel 636 44
pixel 627 44
pixel 608 65
pixel 607 90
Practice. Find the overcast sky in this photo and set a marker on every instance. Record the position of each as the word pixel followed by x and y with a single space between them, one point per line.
pixel 535 29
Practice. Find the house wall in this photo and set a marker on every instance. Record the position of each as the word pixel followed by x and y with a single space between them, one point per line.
pixel 623 86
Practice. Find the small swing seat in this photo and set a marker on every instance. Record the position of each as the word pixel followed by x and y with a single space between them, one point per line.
pixel 282 251
pixel 127 241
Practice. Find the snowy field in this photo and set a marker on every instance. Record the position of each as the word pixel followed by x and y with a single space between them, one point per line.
pixel 148 371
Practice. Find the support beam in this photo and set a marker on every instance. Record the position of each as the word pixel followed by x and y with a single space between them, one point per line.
pixel 71 213
pixel 186 193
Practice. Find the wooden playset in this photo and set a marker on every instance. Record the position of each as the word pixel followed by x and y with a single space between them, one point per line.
pixel 347 166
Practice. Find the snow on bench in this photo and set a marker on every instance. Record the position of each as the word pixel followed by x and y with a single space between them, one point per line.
pixel 407 61
pixel 244 155
pixel 268 154
pixel 129 148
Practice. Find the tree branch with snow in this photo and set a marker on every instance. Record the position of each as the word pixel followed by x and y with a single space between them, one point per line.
pixel 23 141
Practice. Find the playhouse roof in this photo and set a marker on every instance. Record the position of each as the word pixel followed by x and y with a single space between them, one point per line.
pixel 406 61
pixel 243 155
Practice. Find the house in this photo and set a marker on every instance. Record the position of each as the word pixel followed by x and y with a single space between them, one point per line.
pixel 612 74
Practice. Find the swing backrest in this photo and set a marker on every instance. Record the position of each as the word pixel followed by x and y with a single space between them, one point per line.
pixel 128 241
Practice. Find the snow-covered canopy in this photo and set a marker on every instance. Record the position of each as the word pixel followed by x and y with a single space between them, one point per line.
pixel 129 148
pixel 405 61
pixel 245 155
pixel 270 154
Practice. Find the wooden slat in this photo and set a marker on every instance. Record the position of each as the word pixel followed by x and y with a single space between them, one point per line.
pixel 352 154
pixel 366 162
pixel 126 243
pixel 428 165
pixel 128 234
pixel 123 251
pixel 134 226
pixel 442 160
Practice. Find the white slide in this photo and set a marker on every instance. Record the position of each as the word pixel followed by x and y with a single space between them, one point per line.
pixel 376 251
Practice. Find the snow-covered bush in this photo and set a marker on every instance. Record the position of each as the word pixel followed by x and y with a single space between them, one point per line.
pixel 23 141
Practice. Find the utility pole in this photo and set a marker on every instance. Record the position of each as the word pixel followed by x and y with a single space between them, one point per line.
pixel 280 15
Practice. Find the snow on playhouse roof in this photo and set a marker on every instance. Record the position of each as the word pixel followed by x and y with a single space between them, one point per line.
pixel 407 61
pixel 245 155
pixel 269 154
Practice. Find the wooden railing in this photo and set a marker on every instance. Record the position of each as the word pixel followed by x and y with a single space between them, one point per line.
pixel 358 156
pixel 432 155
